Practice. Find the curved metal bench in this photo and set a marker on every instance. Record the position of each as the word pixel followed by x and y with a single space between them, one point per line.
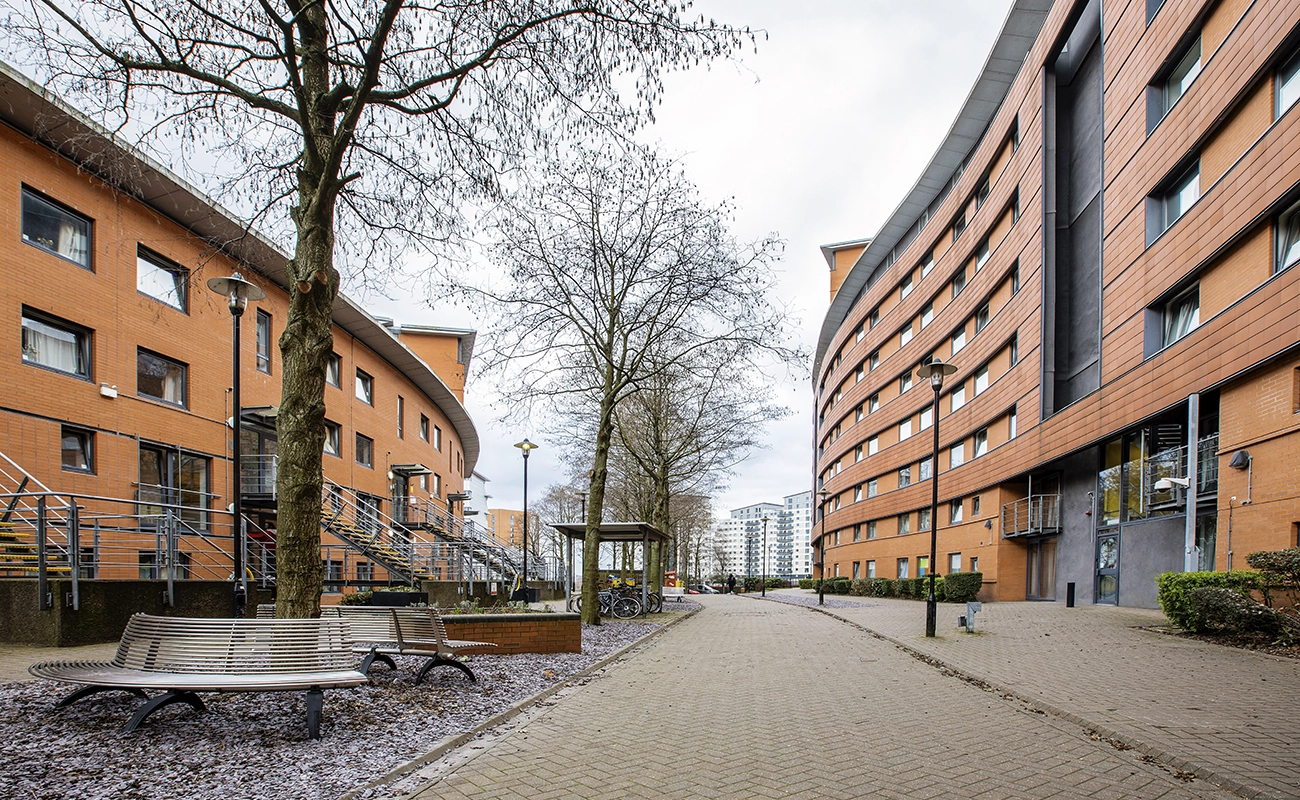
pixel 181 656
pixel 382 633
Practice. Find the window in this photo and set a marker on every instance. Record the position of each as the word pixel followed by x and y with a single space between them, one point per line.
pixel 957 455
pixel 1288 85
pixel 1013 350
pixel 954 512
pixel 873 488
pixel 958 341
pixel 365 451
pixel 927 417
pixel 1188 67
pixel 905 335
pixel 904 524
pixel 857 498
pixel 982 193
pixel 954 562
pixel 857 566
pixel 78 449
pixel 1182 315
pixel 974 564
pixel 905 477
pixel 905 288
pixel 858 453
pixel 1015 280
pixel 927 314
pixel 55 344
pixel 905 430
pixel 861 334
pixel 981 442
pixel 401 417
pixel 927 263
pixel 365 572
pixel 905 381
pixel 161 279
pixel 902 568
pixel 424 427
pixel 873 360
pixel 981 254
pixel 981 318
pixel 873 318
pixel 55 229
pixel 858 413
pixel 174 477
pixel 424 483
pixel 922 566
pixel 437 438
pixel 860 373
pixel 149 563
pixel 958 281
pixel 1182 195
pixel 332 570
pixel 159 377
pixel 958 397
pixel 926 470
pixel 1288 239
pixel 333 438
pixel 1011 425
pixel 437 485
pixel 365 388
pixel 263 342
pixel 873 403
pixel 873 445
pixel 923 519
pixel 871 533
pixel 981 380
pixel 871 569
pixel 958 225
pixel 334 370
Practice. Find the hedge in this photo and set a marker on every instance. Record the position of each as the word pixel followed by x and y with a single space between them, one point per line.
pixel 962 587
pixel 1174 591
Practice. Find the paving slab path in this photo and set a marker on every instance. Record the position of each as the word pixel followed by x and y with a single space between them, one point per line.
pixel 1230 715
pixel 770 700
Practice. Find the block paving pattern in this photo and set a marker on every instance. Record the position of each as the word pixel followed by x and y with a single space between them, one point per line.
pixel 767 700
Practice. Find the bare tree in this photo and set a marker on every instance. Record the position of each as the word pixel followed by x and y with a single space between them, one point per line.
pixel 381 119
pixel 615 269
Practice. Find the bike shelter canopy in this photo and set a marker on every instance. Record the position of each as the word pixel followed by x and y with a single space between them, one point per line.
pixel 642 532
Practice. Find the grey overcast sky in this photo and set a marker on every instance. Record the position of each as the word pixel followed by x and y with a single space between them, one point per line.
pixel 816 136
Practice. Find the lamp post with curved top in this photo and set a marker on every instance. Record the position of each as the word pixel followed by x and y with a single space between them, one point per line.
pixel 237 292
pixel 522 592
pixel 821 507
pixel 934 372
pixel 764 591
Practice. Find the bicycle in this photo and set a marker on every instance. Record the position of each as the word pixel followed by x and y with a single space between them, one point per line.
pixel 619 605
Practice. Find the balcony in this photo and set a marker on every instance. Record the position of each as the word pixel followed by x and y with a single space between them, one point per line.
pixel 1037 515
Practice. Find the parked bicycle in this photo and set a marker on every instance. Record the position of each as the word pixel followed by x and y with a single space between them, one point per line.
pixel 622 606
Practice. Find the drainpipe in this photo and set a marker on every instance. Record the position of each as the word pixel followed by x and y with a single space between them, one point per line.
pixel 1190 560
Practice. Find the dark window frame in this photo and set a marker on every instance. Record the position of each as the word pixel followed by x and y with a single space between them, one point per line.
pixel 184 383
pixel 29 193
pixel 83 338
pixel 180 275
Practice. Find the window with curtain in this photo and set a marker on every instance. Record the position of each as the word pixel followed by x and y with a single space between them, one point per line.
pixel 55 229
pixel 159 377
pixel 55 344
pixel 1182 315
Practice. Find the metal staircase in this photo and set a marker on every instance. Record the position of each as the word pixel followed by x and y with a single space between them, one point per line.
pixel 356 520
pixel 28 505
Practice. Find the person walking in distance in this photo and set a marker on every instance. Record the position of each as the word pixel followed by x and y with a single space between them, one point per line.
pixel 731 583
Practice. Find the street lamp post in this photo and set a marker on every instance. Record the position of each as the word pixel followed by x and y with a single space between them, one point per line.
pixel 237 292
pixel 934 372
pixel 522 592
pixel 821 585
pixel 764 592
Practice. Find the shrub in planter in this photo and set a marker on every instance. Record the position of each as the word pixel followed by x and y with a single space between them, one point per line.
pixel 882 587
pixel 962 587
pixel 1226 610
pixel 1174 591
pixel 364 598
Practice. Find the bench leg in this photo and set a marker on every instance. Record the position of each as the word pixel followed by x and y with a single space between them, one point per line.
pixel 171 696
pixel 371 658
pixel 445 662
pixel 315 705
pixel 87 691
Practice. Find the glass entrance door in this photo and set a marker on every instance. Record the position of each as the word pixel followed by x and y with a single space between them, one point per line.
pixel 1108 568
pixel 1041 582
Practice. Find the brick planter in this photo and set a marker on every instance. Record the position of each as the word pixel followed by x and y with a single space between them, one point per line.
pixel 519 633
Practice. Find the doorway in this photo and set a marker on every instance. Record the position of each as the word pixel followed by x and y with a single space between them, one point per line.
pixel 1041 579
pixel 1108 568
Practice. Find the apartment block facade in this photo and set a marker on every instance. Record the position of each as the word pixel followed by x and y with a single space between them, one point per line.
pixel 118 375
pixel 1104 248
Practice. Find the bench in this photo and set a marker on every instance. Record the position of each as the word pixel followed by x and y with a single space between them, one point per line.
pixel 383 632
pixel 181 656
pixel 674 593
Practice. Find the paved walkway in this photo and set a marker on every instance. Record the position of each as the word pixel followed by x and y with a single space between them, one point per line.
pixel 765 699
pixel 1231 715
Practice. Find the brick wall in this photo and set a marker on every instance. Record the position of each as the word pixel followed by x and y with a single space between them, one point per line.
pixel 519 633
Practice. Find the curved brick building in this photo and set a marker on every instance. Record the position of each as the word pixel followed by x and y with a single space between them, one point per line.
pixel 1104 247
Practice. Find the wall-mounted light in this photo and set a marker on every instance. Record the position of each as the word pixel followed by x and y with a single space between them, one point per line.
pixel 1243 460
pixel 1165 484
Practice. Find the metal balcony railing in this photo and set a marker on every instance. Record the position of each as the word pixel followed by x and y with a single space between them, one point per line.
pixel 1036 515
pixel 257 474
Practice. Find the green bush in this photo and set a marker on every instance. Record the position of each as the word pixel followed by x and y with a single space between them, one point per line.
pixel 1283 566
pixel 751 583
pixel 962 587
pixel 1174 591
pixel 882 587
pixel 839 585
pixel 861 587
pixel 776 583
pixel 358 598
pixel 1227 611
pixel 808 583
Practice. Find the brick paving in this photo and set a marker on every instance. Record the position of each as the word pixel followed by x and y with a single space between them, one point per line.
pixel 1232 715
pixel 765 699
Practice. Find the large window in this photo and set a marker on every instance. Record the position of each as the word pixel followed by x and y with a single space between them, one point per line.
pixel 1180 197
pixel 437 438
pixel 902 568
pixel 958 341
pixel 981 442
pixel 905 381
pixel 78 449
pixel 55 229
pixel 981 380
pixel 871 532
pixel 365 451
pixel 905 288
pixel 927 314
pixel 926 470
pixel 982 317
pixel 905 429
pixel 263 342
pixel 957 455
pixel 161 279
pixel 365 388
pixel 873 403
pixel 334 370
pixel 1288 239
pixel 1185 71
pixel 923 519
pixel 959 282
pixel 333 438
pixel 981 254
pixel 954 512
pixel 1288 85
pixel 1182 315
pixel 873 445
pixel 958 397
pixel 159 377
pixel 904 524
pixel 170 478
pixel 55 344
pixel 905 477
pixel 905 335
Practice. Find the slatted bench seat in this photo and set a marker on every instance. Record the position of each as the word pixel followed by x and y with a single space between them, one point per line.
pixel 181 656
pixel 384 632
pixel 674 593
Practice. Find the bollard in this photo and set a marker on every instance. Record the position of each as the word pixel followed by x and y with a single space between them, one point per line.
pixel 1069 595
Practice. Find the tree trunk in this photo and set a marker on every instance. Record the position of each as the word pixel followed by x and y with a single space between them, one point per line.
pixel 595 504
pixel 660 519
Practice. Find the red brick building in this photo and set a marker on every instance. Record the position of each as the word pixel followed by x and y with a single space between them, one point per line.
pixel 1104 247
